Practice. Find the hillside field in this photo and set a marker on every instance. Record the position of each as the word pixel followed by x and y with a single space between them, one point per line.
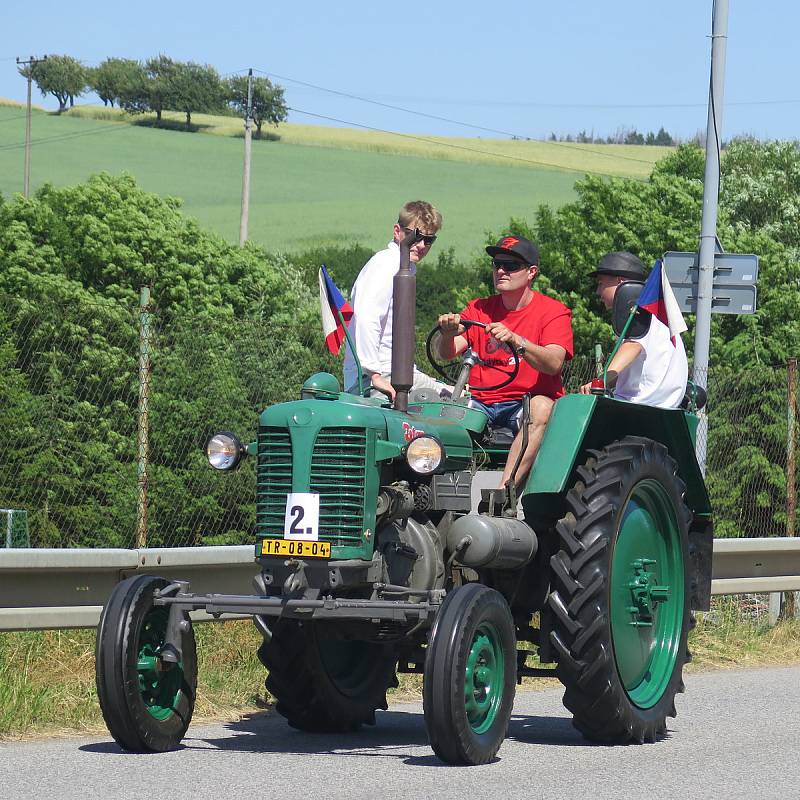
pixel 313 185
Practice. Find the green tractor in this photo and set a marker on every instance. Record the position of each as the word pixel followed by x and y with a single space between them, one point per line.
pixel 373 560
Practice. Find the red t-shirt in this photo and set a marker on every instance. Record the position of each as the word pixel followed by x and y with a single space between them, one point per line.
pixel 543 321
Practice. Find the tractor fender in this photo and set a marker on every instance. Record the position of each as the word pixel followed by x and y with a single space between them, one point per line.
pixel 584 422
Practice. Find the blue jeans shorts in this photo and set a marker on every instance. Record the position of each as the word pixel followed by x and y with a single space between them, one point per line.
pixel 505 414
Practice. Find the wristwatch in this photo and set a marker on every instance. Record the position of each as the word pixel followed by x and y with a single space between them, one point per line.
pixel 523 347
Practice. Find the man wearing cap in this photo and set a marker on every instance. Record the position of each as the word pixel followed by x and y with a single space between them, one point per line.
pixel 518 320
pixel 653 369
pixel 371 325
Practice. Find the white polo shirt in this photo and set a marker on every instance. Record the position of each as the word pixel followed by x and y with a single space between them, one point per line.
pixel 658 375
pixel 371 325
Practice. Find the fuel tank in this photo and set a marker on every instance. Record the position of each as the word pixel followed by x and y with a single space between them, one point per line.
pixel 492 542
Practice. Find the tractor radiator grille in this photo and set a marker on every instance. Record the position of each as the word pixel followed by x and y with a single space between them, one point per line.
pixel 273 480
pixel 338 474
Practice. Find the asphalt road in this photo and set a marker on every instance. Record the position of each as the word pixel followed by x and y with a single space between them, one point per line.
pixel 737 735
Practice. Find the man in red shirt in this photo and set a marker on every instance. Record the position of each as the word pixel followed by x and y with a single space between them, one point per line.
pixel 518 319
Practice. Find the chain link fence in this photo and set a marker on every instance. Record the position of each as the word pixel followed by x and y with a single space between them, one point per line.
pixel 105 411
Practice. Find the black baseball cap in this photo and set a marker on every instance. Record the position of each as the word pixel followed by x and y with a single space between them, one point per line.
pixel 518 246
pixel 622 264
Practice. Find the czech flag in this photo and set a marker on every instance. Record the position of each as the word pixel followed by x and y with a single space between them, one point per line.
pixel 332 304
pixel 657 298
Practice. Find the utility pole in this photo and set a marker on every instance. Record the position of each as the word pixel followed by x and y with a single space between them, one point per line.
pixel 708 226
pixel 32 60
pixel 248 134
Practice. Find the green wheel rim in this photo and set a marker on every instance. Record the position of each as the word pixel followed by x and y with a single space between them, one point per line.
pixel 483 678
pixel 159 683
pixel 647 594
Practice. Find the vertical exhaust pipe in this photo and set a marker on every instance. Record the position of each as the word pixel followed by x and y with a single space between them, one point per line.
pixel 404 320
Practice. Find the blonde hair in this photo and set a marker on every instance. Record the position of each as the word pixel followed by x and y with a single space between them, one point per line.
pixel 419 214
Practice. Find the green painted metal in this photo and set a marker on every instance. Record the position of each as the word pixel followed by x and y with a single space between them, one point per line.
pixel 471 419
pixel 385 451
pixel 582 422
pixel 561 444
pixel 333 447
pixel 484 678
pixel 646 593
pixel 160 688
pixel 322 384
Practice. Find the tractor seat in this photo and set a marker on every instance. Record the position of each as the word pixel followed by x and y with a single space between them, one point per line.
pixel 497 438
pixel 693 393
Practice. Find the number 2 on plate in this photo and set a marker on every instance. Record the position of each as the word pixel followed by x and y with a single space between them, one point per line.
pixel 301 521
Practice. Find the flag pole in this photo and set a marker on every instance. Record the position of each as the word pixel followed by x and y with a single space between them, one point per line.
pixel 353 351
pixel 619 341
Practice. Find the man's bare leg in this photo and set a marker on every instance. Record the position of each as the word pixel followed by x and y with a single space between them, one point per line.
pixel 541 408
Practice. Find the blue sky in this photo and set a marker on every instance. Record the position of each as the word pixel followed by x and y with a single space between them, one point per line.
pixel 525 68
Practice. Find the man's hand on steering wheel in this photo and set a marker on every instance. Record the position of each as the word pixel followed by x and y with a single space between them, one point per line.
pixel 450 325
pixel 503 334
pixel 448 328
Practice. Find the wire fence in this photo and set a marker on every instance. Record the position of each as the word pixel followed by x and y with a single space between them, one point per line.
pixel 105 411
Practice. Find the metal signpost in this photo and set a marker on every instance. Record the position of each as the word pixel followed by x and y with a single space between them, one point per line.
pixel 733 290
pixel 708 225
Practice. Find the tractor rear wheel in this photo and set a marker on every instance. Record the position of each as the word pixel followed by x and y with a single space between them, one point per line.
pixel 620 598
pixel 323 683
pixel 147 703
pixel 470 675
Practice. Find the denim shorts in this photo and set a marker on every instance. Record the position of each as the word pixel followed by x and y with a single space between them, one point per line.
pixel 505 414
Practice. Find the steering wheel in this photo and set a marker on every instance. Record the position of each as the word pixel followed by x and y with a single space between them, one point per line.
pixel 457 370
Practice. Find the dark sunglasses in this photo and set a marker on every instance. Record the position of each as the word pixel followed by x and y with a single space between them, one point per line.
pixel 509 266
pixel 427 238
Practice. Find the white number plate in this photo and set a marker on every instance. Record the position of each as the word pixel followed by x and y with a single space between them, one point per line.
pixel 302 517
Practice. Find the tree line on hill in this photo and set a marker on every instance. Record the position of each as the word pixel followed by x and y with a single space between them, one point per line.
pixel 156 85
pixel 238 328
pixel 622 135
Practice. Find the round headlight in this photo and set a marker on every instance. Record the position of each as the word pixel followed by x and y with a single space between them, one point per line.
pixel 224 450
pixel 424 454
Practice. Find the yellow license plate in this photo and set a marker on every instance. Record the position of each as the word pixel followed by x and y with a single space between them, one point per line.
pixel 289 547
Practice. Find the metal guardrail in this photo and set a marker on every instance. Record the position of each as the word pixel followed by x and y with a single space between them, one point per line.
pixel 41 589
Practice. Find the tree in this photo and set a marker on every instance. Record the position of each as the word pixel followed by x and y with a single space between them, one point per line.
pixel 268 102
pixel 71 264
pixel 761 182
pixel 116 78
pixel 634 137
pixel 195 88
pixel 663 139
pixel 152 90
pixel 62 76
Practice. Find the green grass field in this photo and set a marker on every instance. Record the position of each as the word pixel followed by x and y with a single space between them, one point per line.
pixel 315 185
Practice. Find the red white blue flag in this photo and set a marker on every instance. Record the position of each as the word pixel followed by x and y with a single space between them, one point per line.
pixel 657 298
pixel 331 304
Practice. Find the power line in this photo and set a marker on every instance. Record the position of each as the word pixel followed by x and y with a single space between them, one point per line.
pixel 600 106
pixel 110 126
pixel 387 105
pixel 536 162
pixel 11 119
pixel 516 136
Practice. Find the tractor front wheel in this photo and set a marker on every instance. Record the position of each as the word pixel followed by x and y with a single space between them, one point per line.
pixel 470 675
pixel 147 702
pixel 620 598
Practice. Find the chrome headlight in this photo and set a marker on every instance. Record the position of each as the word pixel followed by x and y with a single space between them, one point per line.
pixel 424 454
pixel 224 450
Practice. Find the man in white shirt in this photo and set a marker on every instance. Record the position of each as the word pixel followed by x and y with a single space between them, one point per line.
pixel 371 298
pixel 652 369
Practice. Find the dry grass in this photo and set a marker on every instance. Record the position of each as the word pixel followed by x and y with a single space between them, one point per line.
pixel 617 160
pixel 47 677
pixel 6 103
